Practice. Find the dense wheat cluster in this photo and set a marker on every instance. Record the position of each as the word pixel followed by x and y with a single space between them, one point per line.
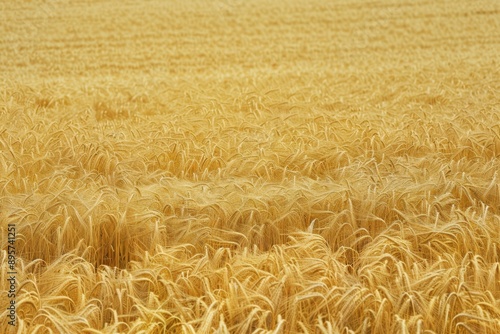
pixel 251 166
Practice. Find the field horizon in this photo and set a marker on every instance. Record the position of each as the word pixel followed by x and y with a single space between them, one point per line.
pixel 250 166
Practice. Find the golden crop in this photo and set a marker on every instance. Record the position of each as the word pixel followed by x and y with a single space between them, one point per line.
pixel 251 166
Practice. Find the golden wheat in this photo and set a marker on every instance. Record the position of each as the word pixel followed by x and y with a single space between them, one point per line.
pixel 251 167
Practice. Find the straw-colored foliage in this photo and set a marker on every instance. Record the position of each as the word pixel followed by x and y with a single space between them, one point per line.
pixel 251 166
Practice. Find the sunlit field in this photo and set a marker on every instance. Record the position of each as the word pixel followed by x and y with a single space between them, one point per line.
pixel 250 166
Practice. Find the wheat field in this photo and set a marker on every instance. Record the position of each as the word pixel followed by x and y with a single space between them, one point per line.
pixel 251 166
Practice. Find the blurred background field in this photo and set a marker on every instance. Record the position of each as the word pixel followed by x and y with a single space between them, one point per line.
pixel 251 166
